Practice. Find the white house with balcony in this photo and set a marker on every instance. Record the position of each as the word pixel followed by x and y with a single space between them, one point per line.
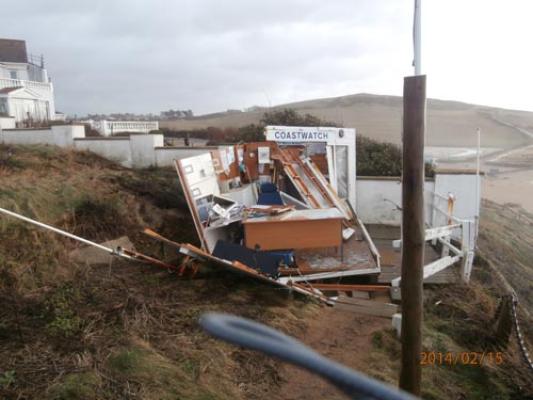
pixel 26 92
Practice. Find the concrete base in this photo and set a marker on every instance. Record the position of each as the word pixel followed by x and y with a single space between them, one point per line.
pixel 397 323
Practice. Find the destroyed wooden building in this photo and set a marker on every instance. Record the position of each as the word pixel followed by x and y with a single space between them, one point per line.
pixel 291 212
pixel 284 211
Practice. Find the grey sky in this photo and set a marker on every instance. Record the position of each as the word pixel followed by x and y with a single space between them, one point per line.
pixel 210 55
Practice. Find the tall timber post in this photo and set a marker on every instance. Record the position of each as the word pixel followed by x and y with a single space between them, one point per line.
pixel 414 116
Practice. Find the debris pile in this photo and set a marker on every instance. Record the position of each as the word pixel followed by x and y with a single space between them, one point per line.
pixel 279 211
pixel 269 211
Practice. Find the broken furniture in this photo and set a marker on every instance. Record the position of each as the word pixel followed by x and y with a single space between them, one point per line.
pixel 269 195
pixel 298 229
pixel 265 262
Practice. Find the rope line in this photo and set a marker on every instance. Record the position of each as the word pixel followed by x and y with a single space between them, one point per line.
pixel 519 335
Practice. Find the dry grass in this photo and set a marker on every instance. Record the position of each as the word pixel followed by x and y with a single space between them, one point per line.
pixel 120 331
pixel 125 331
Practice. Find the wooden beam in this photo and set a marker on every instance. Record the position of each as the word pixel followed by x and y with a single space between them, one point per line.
pixel 413 232
pixel 157 236
pixel 432 233
pixel 333 274
pixel 432 268
pixel 367 307
pixel 149 260
pixel 349 288
pixel 446 244
pixel 438 265
pixel 191 203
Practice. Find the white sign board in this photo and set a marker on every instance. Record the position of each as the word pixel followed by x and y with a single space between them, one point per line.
pixel 299 133
pixel 341 169
pixel 263 155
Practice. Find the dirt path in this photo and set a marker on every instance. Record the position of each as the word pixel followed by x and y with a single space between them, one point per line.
pixel 343 336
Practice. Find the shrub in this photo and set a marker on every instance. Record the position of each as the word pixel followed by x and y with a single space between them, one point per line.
pixel 7 378
pixel 95 218
pixel 376 158
pixel 291 117
pixel 373 158
pixel 8 159
pixel 64 323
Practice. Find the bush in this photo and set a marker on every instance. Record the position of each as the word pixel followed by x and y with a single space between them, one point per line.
pixel 94 218
pixel 291 117
pixel 381 159
pixel 61 306
pixel 251 132
pixel 161 186
pixel 373 158
pixel 8 159
pixel 378 159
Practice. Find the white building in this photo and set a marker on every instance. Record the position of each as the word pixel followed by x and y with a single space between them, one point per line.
pixel 110 128
pixel 26 93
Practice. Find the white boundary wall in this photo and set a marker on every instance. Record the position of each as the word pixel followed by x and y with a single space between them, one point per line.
pixel 142 149
pixel 116 149
pixel 134 151
pixel 7 123
pixel 463 186
pixel 379 199
pixel 166 155
pixel 58 135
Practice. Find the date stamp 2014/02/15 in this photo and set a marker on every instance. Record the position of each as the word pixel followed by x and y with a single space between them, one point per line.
pixel 475 358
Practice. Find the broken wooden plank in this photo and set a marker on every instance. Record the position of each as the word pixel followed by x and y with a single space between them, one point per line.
pixel 356 294
pixel 367 307
pixel 432 233
pixel 447 245
pixel 350 287
pixel 157 236
pixel 243 269
pixel 329 275
pixel 149 260
pixel 433 268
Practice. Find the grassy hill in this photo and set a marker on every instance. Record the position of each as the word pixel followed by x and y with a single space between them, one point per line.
pixel 450 123
pixel 129 331
pixel 73 331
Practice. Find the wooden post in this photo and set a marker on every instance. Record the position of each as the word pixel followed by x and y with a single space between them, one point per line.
pixel 414 116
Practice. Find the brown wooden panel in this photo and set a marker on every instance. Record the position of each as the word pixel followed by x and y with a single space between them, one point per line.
pixel 294 234
pixel 250 161
pixel 233 171
pixel 234 166
pixel 250 157
pixel 321 162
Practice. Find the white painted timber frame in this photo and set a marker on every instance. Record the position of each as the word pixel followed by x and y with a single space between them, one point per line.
pixel 332 138
pixel 464 230
pixel 432 233
pixel 328 275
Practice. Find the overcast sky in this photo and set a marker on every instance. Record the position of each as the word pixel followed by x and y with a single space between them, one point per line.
pixel 210 55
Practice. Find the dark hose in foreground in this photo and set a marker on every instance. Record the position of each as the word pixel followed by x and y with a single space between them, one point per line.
pixel 255 336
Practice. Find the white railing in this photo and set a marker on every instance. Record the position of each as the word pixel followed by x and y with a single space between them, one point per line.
pixel 466 231
pixel 445 228
pixel 41 86
pixel 108 128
